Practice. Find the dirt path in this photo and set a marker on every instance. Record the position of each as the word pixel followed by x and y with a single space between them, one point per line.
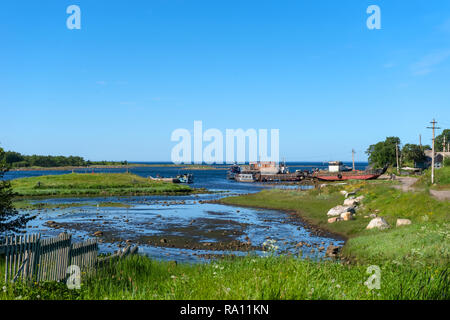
pixel 406 184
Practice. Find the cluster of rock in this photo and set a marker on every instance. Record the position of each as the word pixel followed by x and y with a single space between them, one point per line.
pixel 347 211
pixel 380 223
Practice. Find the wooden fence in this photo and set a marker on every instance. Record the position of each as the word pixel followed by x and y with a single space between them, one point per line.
pixel 30 258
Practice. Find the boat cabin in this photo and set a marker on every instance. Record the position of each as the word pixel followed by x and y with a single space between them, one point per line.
pixel 336 166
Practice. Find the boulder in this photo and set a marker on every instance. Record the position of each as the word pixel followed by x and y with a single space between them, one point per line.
pixel 334 219
pixel 332 251
pixel 350 194
pixel 378 223
pixel 351 202
pixel 346 216
pixel 338 210
pixel 403 222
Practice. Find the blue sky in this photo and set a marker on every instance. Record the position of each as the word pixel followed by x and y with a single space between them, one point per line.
pixel 137 70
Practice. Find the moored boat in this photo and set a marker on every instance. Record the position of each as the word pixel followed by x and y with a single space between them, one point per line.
pixel 335 173
pixel 245 177
pixel 233 171
pixel 186 178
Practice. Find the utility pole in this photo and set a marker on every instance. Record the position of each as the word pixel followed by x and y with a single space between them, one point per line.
pixel 434 122
pixel 444 150
pixel 420 141
pixel 396 156
pixel 353 158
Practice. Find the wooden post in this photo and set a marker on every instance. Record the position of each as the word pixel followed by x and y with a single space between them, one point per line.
pixel 353 158
pixel 432 149
pixel 396 155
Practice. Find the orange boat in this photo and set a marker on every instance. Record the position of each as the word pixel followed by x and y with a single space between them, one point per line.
pixel 337 172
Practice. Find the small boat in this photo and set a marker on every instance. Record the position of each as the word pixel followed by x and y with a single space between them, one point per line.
pixel 244 177
pixel 186 178
pixel 171 180
pixel 337 172
pixel 233 171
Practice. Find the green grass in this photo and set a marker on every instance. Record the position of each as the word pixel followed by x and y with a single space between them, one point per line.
pixel 426 241
pixel 419 244
pixel 139 277
pixel 441 178
pixel 414 260
pixel 98 184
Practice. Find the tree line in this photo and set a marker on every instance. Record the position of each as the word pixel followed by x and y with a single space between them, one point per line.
pixel 384 152
pixel 17 160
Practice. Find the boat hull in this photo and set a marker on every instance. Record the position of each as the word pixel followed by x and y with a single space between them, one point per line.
pixel 343 177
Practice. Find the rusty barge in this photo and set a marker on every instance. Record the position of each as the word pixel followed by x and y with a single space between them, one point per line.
pixel 273 172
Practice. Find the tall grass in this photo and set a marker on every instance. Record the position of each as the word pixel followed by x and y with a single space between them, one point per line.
pixel 441 178
pixel 244 278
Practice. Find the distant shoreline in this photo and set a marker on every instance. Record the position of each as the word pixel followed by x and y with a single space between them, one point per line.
pixel 129 166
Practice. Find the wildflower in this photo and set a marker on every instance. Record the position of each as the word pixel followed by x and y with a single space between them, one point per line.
pixel 338 286
pixel 4 288
pixel 173 277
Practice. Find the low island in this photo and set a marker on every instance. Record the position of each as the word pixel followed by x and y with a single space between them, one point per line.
pixel 94 184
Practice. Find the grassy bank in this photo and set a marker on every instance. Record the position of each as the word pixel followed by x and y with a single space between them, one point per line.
pixel 441 178
pixel 97 184
pixel 425 242
pixel 248 278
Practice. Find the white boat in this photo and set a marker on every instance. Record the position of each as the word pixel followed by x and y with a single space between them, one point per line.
pixel 244 177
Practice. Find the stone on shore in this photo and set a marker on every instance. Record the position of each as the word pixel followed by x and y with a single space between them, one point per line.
pixel 403 222
pixel 332 251
pixel 378 223
pixel 338 210
pixel 334 219
pixel 350 194
pixel 351 202
pixel 346 216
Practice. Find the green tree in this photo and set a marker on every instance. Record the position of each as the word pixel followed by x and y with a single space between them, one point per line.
pixel 10 219
pixel 439 142
pixel 383 152
pixel 412 153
